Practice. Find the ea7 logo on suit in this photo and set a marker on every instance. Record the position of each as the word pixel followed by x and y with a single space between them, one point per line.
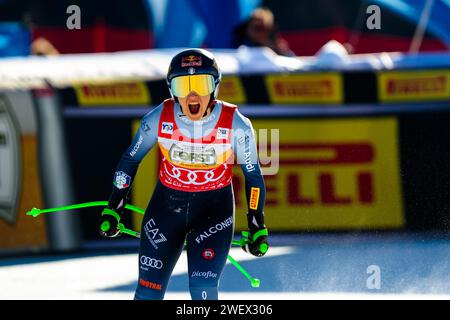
pixel 154 236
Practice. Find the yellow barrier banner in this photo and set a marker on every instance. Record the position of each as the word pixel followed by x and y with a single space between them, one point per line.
pixel 113 94
pixel 414 86
pixel 231 90
pixel 305 88
pixel 334 174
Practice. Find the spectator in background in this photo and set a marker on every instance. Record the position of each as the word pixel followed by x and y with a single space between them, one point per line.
pixel 43 47
pixel 259 30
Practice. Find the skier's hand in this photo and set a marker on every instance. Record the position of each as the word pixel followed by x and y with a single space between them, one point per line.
pixel 109 223
pixel 255 240
pixel 256 243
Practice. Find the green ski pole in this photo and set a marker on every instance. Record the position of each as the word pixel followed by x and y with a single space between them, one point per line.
pixel 36 212
pixel 254 281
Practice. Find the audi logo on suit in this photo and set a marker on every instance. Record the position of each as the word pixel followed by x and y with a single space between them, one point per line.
pixel 150 262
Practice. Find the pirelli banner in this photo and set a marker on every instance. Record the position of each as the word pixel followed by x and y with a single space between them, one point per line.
pixel 308 88
pixel 414 86
pixel 113 93
pixel 331 174
pixel 315 88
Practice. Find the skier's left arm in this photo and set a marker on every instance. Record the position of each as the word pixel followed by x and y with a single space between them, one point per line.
pixel 246 153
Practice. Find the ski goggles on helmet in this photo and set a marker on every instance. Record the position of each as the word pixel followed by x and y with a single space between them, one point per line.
pixel 202 84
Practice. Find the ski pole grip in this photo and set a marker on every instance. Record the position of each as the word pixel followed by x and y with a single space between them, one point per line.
pixel 262 232
pixel 109 212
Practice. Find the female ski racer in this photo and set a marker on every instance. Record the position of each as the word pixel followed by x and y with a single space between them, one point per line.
pixel 199 138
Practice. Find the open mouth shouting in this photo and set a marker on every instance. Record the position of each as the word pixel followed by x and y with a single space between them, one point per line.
pixel 194 108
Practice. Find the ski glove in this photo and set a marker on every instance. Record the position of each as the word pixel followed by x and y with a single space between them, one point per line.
pixel 255 240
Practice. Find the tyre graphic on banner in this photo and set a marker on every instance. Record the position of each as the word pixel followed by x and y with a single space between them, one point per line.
pixel 10 164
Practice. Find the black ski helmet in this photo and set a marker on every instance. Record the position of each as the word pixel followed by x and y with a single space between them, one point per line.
pixel 194 61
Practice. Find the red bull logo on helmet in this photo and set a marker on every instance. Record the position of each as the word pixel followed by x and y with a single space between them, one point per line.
pixel 191 61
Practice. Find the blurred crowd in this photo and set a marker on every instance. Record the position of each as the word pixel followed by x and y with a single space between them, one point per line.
pixel 260 30
pixel 288 27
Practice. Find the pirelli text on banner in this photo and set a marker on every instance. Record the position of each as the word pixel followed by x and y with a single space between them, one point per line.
pixel 398 86
pixel 333 175
pixel 305 88
pixel 113 94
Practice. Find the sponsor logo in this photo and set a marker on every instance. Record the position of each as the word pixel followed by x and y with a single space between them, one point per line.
pixel 346 177
pixel 243 140
pixel 113 94
pixel 208 254
pixel 254 198
pixel 145 127
pixel 194 177
pixel 414 85
pixel 431 85
pixel 10 169
pixel 149 284
pixel 121 180
pixel 137 145
pixel 204 274
pixel 167 127
pixel 191 70
pixel 214 229
pixel 222 133
pixel 150 262
pixel 154 236
pixel 248 162
pixel 305 88
pixel 311 88
pixel 191 61
pixel 190 154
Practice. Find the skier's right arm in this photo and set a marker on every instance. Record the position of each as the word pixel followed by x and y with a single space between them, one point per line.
pixel 144 140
